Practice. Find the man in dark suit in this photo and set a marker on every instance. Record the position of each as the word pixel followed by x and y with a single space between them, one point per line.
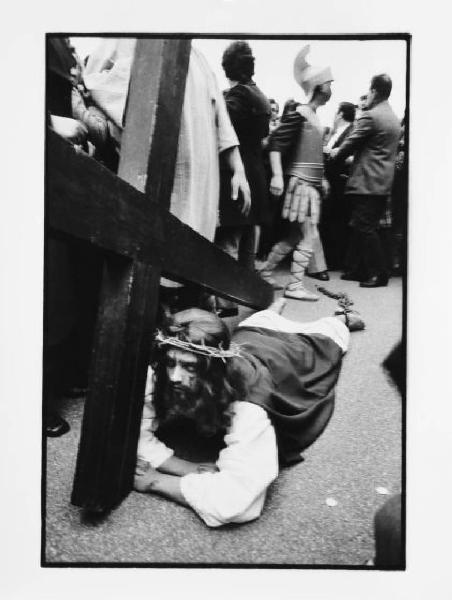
pixel 334 229
pixel 373 143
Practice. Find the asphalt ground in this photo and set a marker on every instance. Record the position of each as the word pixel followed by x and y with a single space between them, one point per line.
pixel 319 512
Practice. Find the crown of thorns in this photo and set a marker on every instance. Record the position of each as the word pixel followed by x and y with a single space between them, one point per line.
pixel 202 349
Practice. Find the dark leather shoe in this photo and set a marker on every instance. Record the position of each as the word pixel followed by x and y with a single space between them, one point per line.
pixel 321 275
pixel 352 276
pixel 56 426
pixel 375 281
pixel 76 392
pixel 233 311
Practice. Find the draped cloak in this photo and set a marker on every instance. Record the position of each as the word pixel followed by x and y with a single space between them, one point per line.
pixel 299 394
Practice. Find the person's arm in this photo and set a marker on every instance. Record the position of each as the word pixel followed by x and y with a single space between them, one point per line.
pixel 280 142
pixel 239 182
pixel 94 119
pixel 358 137
pixel 70 129
pixel 277 180
pixel 228 149
pixel 166 480
pixel 236 492
pixel 179 466
pixel 238 105
pixel 247 466
pixel 149 480
pixel 150 449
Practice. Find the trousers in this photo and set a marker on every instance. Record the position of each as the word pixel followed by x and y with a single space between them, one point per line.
pixel 365 244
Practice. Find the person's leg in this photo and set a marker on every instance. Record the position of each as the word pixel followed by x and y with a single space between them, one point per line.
pixel 365 221
pixel 374 258
pixel 337 327
pixel 354 269
pixel 300 260
pixel 279 251
pixel 317 264
pixel 228 239
pixel 387 244
pixel 54 382
pixel 388 536
pixel 247 246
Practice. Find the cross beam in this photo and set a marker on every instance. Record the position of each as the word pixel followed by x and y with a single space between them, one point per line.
pixel 102 209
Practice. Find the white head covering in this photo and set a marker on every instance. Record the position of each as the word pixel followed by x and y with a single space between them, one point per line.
pixel 309 76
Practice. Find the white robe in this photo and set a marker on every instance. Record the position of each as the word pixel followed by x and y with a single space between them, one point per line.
pixel 205 131
pixel 247 466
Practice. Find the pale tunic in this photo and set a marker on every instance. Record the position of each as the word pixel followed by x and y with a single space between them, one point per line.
pixel 247 466
pixel 205 131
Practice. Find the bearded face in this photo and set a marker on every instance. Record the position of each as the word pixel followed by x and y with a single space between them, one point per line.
pixel 182 384
pixel 191 387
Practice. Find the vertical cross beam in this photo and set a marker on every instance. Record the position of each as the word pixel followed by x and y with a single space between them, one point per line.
pixel 129 297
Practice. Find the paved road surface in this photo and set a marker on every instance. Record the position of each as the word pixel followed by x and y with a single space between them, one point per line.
pixel 359 452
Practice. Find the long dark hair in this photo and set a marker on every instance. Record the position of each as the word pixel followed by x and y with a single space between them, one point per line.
pixel 219 385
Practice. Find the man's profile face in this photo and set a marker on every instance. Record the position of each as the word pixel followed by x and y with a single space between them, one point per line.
pixel 370 99
pixel 182 370
pixel 275 110
pixel 326 91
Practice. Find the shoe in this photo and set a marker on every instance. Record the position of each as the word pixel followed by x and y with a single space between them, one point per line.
pixel 375 281
pixel 300 294
pixel 233 311
pixel 321 275
pixel 352 276
pixel 76 392
pixel 56 426
pixel 397 271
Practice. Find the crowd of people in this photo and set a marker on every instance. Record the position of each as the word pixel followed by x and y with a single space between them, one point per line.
pixel 255 183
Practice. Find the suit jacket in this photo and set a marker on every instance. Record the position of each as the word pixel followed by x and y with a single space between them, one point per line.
pixel 374 144
pixel 347 131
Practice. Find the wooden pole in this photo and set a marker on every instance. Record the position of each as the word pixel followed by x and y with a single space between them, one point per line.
pixel 107 452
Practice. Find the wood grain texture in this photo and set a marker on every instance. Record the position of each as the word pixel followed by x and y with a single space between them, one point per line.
pixel 129 299
pixel 88 202
pixel 111 420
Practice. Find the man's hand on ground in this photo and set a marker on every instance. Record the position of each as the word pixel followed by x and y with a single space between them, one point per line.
pixel 145 477
pixel 207 468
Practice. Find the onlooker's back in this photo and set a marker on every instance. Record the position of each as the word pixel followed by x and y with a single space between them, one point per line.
pixel 374 161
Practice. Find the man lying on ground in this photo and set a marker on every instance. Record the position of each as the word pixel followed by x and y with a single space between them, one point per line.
pixel 265 397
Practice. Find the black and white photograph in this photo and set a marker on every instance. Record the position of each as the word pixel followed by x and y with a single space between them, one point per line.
pixel 225 322
pixel 224 343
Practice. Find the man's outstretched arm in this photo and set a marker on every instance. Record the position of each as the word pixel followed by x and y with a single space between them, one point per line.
pixel 148 479
pixel 179 466
pixel 356 139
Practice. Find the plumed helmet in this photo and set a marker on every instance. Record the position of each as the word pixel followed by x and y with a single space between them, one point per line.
pixel 308 76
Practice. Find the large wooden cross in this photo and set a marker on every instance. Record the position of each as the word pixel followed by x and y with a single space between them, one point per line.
pixel 127 217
